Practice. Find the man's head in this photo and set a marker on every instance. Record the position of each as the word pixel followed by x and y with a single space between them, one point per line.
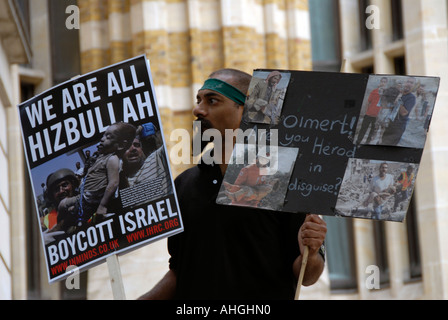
pixel 117 138
pixel 274 78
pixel 409 85
pixel 61 184
pixel 383 169
pixel 220 102
pixel 134 157
pixel 421 89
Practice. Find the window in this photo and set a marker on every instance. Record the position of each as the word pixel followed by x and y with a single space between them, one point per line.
pixel 23 7
pixel 340 253
pixel 415 265
pixel 397 20
pixel 325 35
pixel 400 65
pixel 380 251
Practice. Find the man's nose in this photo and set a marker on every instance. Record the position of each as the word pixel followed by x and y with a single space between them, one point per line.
pixel 60 189
pixel 200 110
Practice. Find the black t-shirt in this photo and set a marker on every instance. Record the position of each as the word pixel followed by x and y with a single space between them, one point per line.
pixel 230 252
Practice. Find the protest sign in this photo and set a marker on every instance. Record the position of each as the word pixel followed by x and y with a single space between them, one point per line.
pixel 319 142
pixel 97 160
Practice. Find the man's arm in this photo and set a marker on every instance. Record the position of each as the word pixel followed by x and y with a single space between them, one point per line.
pixel 311 234
pixel 165 289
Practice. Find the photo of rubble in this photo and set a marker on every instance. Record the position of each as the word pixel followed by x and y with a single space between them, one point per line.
pixel 377 190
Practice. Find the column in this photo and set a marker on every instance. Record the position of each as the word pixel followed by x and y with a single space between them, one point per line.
pixel 243 34
pixel 276 33
pixel 119 30
pixel 93 35
pixel 299 35
pixel 427 54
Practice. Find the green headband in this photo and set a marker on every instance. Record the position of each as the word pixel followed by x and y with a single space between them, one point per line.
pixel 225 89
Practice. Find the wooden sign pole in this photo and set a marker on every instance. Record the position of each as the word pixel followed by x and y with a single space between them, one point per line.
pixel 302 272
pixel 116 280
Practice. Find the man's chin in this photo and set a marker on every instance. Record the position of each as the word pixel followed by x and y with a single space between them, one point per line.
pixel 133 162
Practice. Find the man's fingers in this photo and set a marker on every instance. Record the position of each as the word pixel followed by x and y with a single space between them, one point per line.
pixel 313 232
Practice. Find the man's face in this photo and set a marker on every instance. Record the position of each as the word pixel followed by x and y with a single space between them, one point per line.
pixel 383 169
pixel 109 141
pixel 421 90
pixel 274 80
pixel 62 190
pixel 383 83
pixel 408 85
pixel 134 156
pixel 214 110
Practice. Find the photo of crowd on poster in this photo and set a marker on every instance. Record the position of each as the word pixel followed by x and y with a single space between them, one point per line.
pixel 397 111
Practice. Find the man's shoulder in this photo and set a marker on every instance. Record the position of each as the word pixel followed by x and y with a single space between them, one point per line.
pixel 410 97
pixel 375 91
pixel 186 175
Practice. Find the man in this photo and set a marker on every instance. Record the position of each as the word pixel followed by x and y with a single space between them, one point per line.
pixel 89 161
pixel 252 184
pixel 404 185
pixel 61 184
pixel 393 133
pixel 381 188
pixel 233 252
pixel 79 171
pixel 373 109
pixel 140 168
pixel 264 98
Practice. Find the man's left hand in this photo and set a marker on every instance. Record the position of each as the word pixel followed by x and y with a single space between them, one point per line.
pixel 312 233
